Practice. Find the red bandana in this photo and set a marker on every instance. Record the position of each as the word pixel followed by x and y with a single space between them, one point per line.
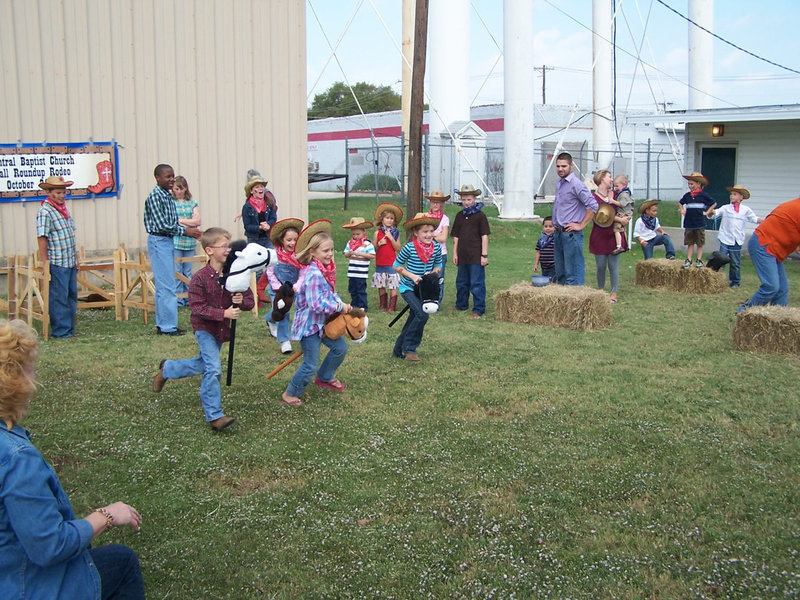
pixel 260 204
pixel 736 206
pixel 328 272
pixel 695 192
pixel 354 244
pixel 436 215
pixel 62 208
pixel 424 251
pixel 287 257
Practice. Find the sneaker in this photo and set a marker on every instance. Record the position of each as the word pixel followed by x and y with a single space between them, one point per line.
pixel 286 347
pixel 273 329
pixel 178 331
pixel 686 264
pixel 698 263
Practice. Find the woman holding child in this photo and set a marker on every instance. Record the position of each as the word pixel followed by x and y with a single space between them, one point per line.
pixel 601 241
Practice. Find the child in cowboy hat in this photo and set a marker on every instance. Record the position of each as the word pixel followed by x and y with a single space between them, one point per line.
pixel 418 257
pixel 316 299
pixel 386 240
pixel 732 230
pixel 471 251
pixel 696 204
pixel 283 235
pixel 437 201
pixel 649 233
pixel 359 251
pixel 260 211
pixel 55 231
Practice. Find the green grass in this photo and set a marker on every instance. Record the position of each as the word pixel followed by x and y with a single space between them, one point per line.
pixel 649 460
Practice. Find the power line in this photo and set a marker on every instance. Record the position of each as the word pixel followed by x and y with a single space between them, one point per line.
pixel 722 39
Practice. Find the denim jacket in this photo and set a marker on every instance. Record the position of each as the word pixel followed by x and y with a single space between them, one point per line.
pixel 43 547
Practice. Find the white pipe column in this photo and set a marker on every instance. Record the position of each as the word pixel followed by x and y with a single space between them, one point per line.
pixel 701 54
pixel 518 85
pixel 406 62
pixel 448 64
pixel 602 84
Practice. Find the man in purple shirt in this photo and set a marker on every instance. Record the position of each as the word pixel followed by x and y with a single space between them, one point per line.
pixel 573 209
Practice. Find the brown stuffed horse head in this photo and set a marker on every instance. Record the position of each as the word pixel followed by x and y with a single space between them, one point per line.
pixel 353 324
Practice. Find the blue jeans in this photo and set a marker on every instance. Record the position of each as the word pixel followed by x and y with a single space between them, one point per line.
pixel 162 262
pixel 774 283
pixel 120 574
pixel 63 300
pixel 185 269
pixel 735 266
pixel 441 277
pixel 327 371
pixel 208 363
pixel 411 335
pixel 549 272
pixel 283 326
pixel 358 291
pixel 470 279
pixel 570 263
pixel 659 240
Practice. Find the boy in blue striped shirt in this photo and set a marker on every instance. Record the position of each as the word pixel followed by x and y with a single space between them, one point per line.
pixel 418 257
pixel 359 251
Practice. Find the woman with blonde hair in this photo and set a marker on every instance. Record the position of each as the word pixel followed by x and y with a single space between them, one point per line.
pixel 44 549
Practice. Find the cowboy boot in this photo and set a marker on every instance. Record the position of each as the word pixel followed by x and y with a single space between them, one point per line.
pixel 392 304
pixel 383 297
pixel 105 178
pixel 261 290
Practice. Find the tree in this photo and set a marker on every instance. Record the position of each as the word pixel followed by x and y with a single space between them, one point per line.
pixel 338 101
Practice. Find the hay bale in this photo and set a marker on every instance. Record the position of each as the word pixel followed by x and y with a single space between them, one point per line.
pixel 666 274
pixel 768 329
pixel 572 307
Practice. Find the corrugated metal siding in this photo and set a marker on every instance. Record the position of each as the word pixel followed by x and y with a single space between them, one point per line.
pixel 212 87
pixel 767 158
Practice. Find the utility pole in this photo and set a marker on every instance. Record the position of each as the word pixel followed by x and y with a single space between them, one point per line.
pixel 415 118
pixel 544 69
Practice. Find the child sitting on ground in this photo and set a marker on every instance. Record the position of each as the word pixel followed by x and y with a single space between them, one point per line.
pixel 545 251
pixel 649 233
pixel 415 259
pixel 283 235
pixel 622 202
pixel 315 300
pixel 360 251
pixel 212 308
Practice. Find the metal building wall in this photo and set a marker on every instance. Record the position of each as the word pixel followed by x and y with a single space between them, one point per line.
pixel 212 87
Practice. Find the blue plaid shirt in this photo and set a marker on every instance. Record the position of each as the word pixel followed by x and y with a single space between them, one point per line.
pixel 160 215
pixel 60 234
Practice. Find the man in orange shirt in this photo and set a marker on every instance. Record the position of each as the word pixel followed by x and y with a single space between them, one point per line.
pixel 773 240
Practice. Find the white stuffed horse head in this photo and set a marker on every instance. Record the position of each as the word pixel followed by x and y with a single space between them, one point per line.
pixel 242 259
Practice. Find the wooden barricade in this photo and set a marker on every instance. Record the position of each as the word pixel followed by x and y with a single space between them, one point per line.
pixel 134 285
pixel 28 290
pixel 96 287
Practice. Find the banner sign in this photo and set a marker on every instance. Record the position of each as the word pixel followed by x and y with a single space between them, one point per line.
pixel 92 166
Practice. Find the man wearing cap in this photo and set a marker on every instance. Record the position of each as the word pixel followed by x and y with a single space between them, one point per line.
pixel 573 209
pixel 161 223
pixel 55 231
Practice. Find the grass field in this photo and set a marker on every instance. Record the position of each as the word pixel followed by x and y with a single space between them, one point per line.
pixel 648 460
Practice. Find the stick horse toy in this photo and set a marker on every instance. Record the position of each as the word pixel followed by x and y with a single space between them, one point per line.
pixel 427 290
pixel 242 259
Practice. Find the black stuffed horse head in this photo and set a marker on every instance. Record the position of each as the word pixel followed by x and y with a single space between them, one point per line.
pixel 717 260
pixel 427 290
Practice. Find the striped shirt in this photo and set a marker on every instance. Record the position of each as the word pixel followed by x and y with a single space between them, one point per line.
pixel 408 258
pixel 314 301
pixel 185 210
pixel 546 252
pixel 160 215
pixel 60 234
pixel 358 268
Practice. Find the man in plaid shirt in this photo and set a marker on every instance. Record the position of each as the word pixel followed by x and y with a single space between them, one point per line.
pixel 161 223
pixel 55 231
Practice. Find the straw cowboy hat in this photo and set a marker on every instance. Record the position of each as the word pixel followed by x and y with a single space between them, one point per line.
pixel 741 189
pixel 276 231
pixel 358 223
pixel 605 215
pixel 647 204
pixel 253 181
pixel 698 177
pixel 312 229
pixel 468 190
pixel 55 182
pixel 398 212
pixel 421 219
pixel 437 195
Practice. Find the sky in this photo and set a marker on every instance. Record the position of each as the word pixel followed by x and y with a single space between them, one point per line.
pixel 563 41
